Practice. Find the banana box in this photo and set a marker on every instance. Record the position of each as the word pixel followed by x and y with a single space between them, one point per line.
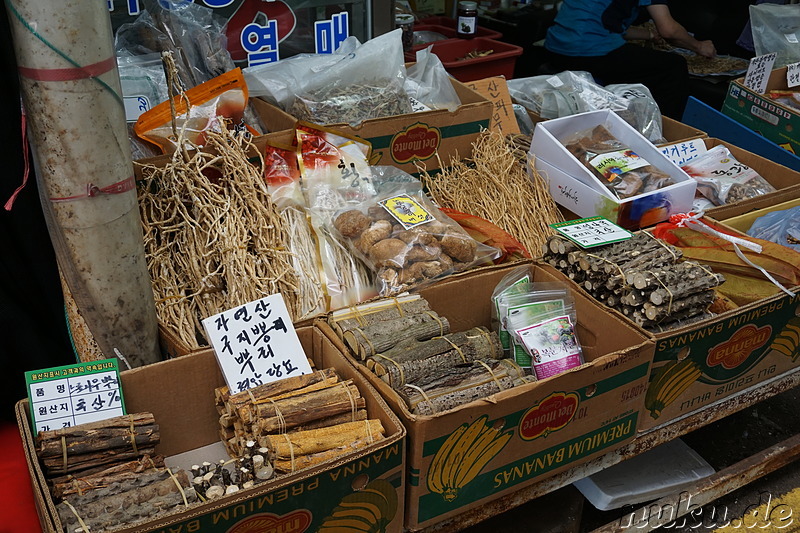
pixel 705 362
pixel 464 458
pixel 360 491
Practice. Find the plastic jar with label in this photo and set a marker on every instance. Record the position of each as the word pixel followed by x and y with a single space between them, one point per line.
pixel 467 20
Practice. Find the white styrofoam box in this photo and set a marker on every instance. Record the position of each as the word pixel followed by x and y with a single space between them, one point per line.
pixel 575 187
pixel 656 473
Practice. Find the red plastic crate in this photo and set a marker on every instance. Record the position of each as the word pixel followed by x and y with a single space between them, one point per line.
pixel 500 62
pixel 449 31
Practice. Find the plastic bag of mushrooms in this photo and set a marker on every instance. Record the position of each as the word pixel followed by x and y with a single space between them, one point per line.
pixel 407 241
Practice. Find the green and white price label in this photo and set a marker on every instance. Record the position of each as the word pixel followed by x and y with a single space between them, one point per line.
pixel 591 232
pixel 66 396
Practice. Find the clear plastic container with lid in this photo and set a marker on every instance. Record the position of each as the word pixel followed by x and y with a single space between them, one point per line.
pixel 467 19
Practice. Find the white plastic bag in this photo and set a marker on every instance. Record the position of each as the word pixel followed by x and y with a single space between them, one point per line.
pixel 776 28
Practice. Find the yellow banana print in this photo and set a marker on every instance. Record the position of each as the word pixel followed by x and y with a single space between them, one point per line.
pixel 463 455
pixel 670 381
pixel 368 510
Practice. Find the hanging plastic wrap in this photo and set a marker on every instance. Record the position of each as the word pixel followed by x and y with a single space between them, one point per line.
pixel 72 96
pixel 572 92
pixel 355 83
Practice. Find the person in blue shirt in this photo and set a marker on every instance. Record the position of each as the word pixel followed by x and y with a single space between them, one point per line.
pixel 593 35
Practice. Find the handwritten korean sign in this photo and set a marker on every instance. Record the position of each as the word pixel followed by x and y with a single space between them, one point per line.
pixel 683 152
pixel 256 343
pixel 495 90
pixel 591 232
pixel 66 396
pixel 758 72
pixel 793 75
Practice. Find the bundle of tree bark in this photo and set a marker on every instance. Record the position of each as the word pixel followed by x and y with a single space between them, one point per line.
pixel 375 327
pixel 106 473
pixel 644 278
pixel 410 347
pixel 300 421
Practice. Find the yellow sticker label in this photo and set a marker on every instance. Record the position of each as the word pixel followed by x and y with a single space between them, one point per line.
pixel 406 210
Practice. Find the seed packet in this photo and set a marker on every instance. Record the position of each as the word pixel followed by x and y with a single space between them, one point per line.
pixel 507 285
pixel 552 343
pixel 723 179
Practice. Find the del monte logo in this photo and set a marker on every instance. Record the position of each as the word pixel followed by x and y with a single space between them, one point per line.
pixel 294 522
pixel 738 348
pixel 418 141
pixel 551 414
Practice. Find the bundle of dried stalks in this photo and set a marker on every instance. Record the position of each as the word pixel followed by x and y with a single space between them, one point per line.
pixel 213 237
pixel 494 184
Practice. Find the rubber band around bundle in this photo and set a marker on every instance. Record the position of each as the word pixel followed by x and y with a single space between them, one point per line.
pixel 83 525
pixel 252 398
pixel 438 319
pixel 358 316
pixel 399 367
pixel 92 190
pixel 353 405
pixel 399 307
pixel 132 431
pixel 424 396
pixel 279 416
pixel 669 305
pixel 291 450
pixel 364 336
pixel 180 487
pixel 705 268
pixel 491 372
pixel 369 432
pixel 455 347
pixel 486 336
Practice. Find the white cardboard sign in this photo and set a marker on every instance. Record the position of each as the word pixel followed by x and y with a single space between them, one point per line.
pixel 256 343
pixel 793 75
pixel 758 72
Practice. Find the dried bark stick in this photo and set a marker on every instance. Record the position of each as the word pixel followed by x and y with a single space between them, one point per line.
pixel 80 484
pixel 380 337
pixel 92 440
pixel 79 463
pixel 362 316
pixel 313 459
pixel 275 388
pixel 698 302
pixel 483 340
pixel 288 445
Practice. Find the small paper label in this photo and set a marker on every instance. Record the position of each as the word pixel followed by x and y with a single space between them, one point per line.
pixel 793 75
pixel 612 165
pixel 791 37
pixel 683 152
pixel 555 81
pixel 256 343
pixel 591 232
pixel 406 210
pixel 66 396
pixel 417 106
pixel 135 106
pixel 758 72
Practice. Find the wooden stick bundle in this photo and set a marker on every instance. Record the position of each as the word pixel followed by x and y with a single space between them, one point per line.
pixel 316 415
pixel 643 277
pixel 81 484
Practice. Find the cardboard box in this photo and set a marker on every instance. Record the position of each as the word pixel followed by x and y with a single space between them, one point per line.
pixel 403 140
pixel 180 393
pixel 745 221
pixel 674 131
pixel 774 121
pixel 579 190
pixel 556 423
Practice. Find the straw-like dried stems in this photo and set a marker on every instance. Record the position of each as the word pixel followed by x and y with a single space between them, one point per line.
pixel 213 237
pixel 494 184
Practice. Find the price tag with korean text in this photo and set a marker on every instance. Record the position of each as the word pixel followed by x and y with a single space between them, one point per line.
pixel 591 232
pixel 66 396
pixel 793 75
pixel 758 72
pixel 683 152
pixel 256 343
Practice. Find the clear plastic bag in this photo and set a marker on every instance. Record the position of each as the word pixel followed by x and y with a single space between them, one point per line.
pixel 620 169
pixel 782 227
pixel 522 307
pixel 355 83
pixel 724 180
pixel 144 86
pixel 508 285
pixel 406 240
pixel 572 92
pixel 776 28
pixel 428 83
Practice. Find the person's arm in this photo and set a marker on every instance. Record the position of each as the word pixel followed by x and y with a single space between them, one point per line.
pixel 675 34
pixel 639 33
